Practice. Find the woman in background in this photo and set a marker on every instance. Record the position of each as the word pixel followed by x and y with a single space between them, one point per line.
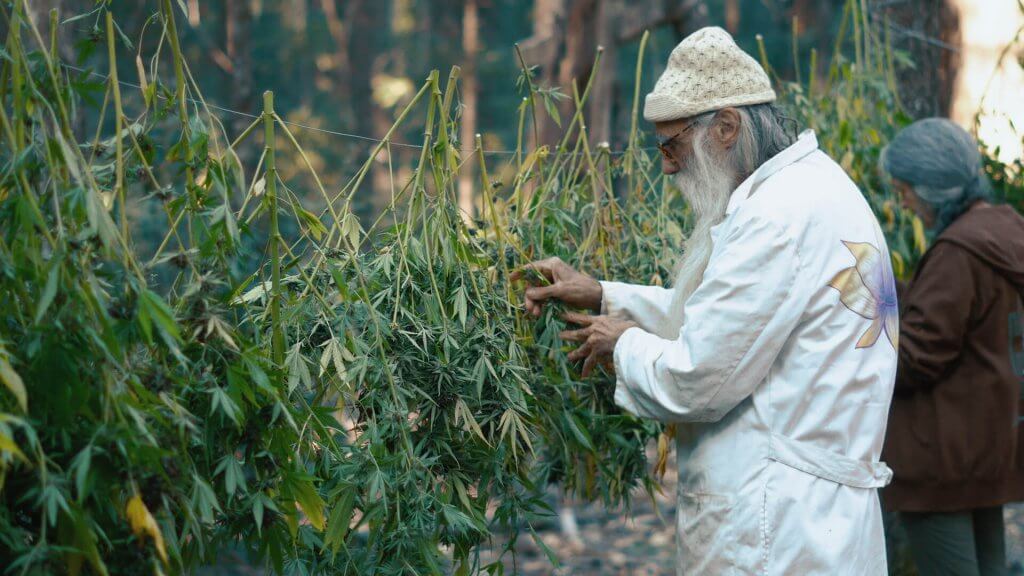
pixel 954 440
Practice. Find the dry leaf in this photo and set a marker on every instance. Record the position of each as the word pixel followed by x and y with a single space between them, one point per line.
pixel 143 524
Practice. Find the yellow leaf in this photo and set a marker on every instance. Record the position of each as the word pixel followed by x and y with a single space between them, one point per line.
pixel 14 383
pixel 847 161
pixel 143 524
pixel 664 446
pixel 143 83
pixel 311 503
pixel 292 521
pixel 920 240
pixel 8 445
pixel 890 212
pixel 898 264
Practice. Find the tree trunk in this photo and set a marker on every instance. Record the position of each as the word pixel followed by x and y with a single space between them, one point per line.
pixel 237 29
pixel 340 61
pixel 367 31
pixel 929 31
pixel 602 97
pixel 732 16
pixel 565 38
pixel 470 47
pixel 366 26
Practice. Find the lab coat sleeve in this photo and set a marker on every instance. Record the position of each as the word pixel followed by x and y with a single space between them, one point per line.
pixel 645 305
pixel 736 322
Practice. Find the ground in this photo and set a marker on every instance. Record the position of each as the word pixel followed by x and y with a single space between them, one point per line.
pixel 611 543
pixel 643 545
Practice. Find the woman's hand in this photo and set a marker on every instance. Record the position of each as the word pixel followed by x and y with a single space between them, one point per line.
pixel 599 334
pixel 576 289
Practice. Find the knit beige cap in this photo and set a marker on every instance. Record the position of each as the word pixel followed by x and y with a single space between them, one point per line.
pixel 707 71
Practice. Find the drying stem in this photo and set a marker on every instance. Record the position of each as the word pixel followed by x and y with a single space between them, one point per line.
pixel 499 228
pixel 631 144
pixel 277 334
pixel 115 87
pixel 533 100
pixel 179 96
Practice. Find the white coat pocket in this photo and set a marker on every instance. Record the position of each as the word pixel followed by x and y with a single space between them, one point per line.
pixel 705 533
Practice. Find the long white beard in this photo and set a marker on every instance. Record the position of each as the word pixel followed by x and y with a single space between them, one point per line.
pixel 706 183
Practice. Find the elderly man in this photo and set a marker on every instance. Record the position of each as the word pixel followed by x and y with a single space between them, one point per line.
pixel 778 339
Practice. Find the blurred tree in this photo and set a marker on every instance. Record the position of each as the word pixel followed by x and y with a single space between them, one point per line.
pixel 565 37
pixel 348 65
pixel 237 29
pixel 470 48
pixel 929 31
pixel 367 35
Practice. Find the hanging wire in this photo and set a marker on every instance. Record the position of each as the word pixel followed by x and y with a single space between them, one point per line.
pixel 316 129
pixel 917 35
pixel 876 12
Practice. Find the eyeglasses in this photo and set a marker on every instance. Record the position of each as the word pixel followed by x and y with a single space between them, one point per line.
pixel 663 143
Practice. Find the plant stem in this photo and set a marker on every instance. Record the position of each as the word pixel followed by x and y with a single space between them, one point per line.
pixel 179 95
pixel 115 87
pixel 631 143
pixel 277 334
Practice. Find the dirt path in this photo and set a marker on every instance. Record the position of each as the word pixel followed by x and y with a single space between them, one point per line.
pixel 611 544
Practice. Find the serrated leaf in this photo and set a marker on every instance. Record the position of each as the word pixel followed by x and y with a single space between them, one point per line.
pixel 461 304
pixel 257 512
pixel 81 464
pixel 552 557
pixel 83 540
pixel 221 400
pixel 204 500
pixel 313 224
pixel 552 109
pixel 155 311
pixel 298 370
pixel 310 501
pixel 49 291
pixel 469 423
pixel 578 431
pixel 338 523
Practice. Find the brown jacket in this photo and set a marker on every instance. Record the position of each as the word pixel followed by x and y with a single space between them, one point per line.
pixel 954 442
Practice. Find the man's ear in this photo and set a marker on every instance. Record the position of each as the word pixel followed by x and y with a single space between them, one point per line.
pixel 726 127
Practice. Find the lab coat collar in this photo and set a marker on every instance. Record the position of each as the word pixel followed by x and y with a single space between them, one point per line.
pixel 805 144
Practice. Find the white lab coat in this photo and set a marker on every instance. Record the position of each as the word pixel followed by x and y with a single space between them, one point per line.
pixel 786 360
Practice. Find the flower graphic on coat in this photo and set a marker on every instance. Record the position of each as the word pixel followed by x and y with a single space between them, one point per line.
pixel 868 289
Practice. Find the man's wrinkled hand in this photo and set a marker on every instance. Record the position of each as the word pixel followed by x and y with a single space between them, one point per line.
pixel 565 283
pixel 598 335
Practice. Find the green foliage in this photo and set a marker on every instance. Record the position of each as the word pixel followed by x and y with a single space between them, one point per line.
pixel 414 410
pixel 1007 178
pixel 345 399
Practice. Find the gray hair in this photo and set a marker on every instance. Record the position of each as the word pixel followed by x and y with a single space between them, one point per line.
pixel 941 163
pixel 765 131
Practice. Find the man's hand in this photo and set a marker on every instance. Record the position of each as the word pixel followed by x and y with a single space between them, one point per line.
pixel 598 334
pixel 576 289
